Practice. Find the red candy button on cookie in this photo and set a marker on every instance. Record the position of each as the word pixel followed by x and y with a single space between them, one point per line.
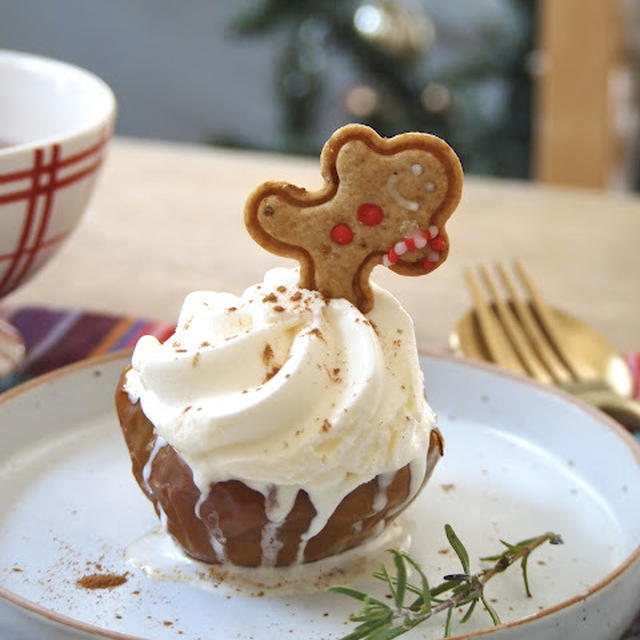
pixel 370 214
pixel 341 234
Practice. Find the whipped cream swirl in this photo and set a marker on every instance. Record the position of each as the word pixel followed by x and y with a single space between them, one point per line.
pixel 282 386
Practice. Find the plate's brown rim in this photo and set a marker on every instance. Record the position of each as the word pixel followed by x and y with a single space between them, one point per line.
pixel 89 363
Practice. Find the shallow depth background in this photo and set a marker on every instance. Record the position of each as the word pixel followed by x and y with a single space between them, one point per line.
pixel 282 74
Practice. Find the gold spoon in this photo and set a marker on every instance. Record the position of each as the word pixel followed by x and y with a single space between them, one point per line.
pixel 613 385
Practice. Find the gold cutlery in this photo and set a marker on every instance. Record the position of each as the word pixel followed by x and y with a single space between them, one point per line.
pixel 522 333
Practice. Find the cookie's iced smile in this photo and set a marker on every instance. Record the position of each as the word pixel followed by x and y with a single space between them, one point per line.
pixel 398 198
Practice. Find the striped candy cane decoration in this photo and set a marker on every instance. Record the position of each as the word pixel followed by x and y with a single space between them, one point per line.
pixel 418 240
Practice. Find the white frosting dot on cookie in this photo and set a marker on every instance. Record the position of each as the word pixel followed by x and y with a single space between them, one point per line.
pixel 416 169
pixel 430 186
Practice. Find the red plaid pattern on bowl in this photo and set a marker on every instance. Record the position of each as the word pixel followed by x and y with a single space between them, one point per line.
pixel 41 203
pixel 56 120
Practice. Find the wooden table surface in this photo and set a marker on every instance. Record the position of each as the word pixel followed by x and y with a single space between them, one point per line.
pixel 167 219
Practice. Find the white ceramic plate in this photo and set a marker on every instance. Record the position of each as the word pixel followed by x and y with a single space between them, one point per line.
pixel 520 460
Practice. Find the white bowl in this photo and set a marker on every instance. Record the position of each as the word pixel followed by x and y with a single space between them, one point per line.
pixel 55 124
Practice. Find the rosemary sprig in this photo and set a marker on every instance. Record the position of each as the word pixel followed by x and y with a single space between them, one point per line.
pixel 378 620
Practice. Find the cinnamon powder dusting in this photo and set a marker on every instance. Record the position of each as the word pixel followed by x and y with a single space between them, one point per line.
pixel 267 359
pixel 102 580
pixel 272 372
pixel 267 354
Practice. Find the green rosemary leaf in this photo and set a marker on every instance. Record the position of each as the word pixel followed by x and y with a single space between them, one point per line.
pixel 357 634
pixel 401 578
pixel 385 577
pixel 507 544
pixel 378 630
pixel 426 591
pixel 490 610
pixel 441 588
pixel 355 593
pixel 469 611
pixel 372 614
pixel 349 591
pixel 364 631
pixel 408 587
pixel 458 547
pixel 525 575
pixel 447 623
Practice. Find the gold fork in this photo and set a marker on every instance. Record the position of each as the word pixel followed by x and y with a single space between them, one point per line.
pixel 529 337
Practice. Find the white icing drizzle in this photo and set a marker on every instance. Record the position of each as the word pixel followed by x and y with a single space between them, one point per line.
pixel 325 502
pixel 146 475
pixel 417 470
pixel 381 498
pixel 416 169
pixel 146 470
pixel 329 501
pixel 278 501
pixel 278 504
pixel 392 188
pixel 270 544
pixel 217 538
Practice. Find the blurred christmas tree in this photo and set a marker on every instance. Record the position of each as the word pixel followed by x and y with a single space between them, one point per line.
pixel 458 69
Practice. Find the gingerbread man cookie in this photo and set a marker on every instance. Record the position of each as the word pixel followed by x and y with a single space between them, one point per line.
pixel 385 201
